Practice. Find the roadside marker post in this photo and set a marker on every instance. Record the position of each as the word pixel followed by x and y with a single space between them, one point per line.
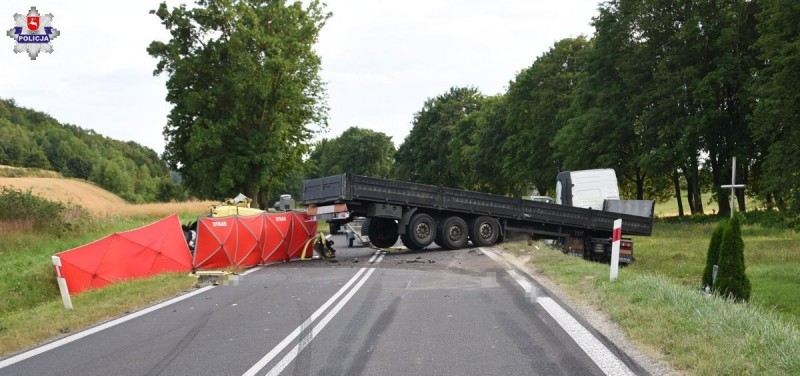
pixel 62 283
pixel 615 239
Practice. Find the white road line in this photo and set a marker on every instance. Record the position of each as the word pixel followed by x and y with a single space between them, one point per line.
pixel 599 353
pixel 491 255
pixel 318 328
pixel 530 290
pixel 372 259
pixel 90 331
pixel 295 333
pixel 253 270
pixel 380 257
pixel 596 350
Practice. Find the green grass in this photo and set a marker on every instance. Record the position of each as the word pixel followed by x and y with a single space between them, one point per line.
pixel 670 207
pixel 30 294
pixel 678 252
pixel 655 300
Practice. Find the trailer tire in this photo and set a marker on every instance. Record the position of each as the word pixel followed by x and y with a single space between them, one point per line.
pixel 421 231
pixel 453 233
pixel 406 240
pixel 382 232
pixel 484 231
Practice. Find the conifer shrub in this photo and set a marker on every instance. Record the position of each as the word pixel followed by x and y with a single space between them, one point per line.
pixel 732 281
pixel 712 257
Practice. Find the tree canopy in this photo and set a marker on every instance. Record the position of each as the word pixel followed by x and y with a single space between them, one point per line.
pixel 30 138
pixel 246 93
pixel 356 150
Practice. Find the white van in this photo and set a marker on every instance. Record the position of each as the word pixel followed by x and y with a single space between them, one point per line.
pixel 586 188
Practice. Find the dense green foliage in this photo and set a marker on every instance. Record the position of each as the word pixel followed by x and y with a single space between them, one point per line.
pixel 712 257
pixel 34 139
pixel 664 93
pixel 424 156
pixel 22 210
pixel 357 150
pixel 732 281
pixel 245 88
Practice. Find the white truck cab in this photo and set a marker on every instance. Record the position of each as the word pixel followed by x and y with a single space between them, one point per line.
pixel 586 188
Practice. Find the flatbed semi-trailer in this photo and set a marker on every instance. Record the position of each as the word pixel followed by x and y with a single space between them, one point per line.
pixel 422 214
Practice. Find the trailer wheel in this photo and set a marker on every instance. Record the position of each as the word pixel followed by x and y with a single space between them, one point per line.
pixel 421 230
pixel 382 232
pixel 453 233
pixel 406 240
pixel 484 231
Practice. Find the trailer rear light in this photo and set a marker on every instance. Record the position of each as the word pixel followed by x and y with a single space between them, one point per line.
pixel 328 212
pixel 626 244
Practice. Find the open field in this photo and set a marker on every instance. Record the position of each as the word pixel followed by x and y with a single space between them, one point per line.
pixel 669 208
pixel 97 200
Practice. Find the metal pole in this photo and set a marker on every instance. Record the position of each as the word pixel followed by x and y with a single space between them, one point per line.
pixel 733 182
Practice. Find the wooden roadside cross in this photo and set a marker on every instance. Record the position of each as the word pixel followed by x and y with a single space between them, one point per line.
pixel 733 186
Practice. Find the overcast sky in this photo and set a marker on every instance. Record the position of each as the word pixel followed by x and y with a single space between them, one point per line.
pixel 381 59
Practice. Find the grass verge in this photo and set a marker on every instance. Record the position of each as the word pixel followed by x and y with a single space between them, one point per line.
pixel 25 328
pixel 656 302
pixel 31 310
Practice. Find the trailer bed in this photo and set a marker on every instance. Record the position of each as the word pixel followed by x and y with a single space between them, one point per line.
pixel 357 190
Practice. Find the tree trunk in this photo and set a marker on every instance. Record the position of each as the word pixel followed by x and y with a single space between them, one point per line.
pixel 718 179
pixel 640 177
pixel 740 192
pixel 264 199
pixel 698 197
pixel 251 190
pixel 676 181
pixel 692 175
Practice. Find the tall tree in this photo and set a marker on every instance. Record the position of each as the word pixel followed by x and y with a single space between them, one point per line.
pixel 476 150
pixel 423 155
pixel 357 150
pixel 245 88
pixel 604 127
pixel 776 114
pixel 537 98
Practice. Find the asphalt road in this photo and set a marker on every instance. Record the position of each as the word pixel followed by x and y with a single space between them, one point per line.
pixel 432 312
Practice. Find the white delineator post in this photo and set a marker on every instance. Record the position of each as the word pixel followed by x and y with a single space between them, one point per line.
pixel 615 239
pixel 62 283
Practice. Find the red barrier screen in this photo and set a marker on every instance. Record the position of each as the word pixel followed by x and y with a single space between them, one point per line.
pixel 216 242
pixel 146 251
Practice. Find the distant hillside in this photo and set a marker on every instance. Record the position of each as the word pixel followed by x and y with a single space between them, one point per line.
pixel 98 201
pixel 91 197
pixel 30 138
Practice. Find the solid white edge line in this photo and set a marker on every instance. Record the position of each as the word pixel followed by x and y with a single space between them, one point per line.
pixel 253 270
pixel 597 352
pixel 491 255
pixel 295 333
pixel 291 355
pixel 90 331
pixel 527 286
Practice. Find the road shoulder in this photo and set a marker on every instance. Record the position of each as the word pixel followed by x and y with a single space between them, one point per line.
pixel 598 319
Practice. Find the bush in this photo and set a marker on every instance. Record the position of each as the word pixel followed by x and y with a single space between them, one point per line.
pixel 732 282
pixel 712 257
pixel 23 207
